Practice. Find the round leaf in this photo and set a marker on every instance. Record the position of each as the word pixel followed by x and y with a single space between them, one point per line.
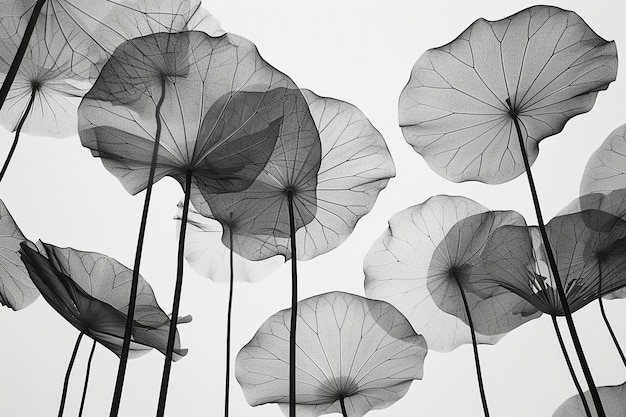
pixel 347 346
pixel 544 60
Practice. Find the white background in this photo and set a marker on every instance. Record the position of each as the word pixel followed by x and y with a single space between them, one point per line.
pixel 358 51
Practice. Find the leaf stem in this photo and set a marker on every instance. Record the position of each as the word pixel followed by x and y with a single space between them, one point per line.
pixel 121 371
pixel 479 376
pixel 553 266
pixel 82 400
pixel 66 382
pixel 228 325
pixel 343 407
pixel 606 319
pixel 18 129
pixel 21 50
pixel 294 307
pixel 177 293
pixel 569 365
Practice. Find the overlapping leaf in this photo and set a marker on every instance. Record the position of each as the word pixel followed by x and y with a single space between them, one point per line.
pixel 341 188
pixel 348 346
pixel 88 33
pixel 16 288
pixel 223 112
pixel 588 246
pixel 71 41
pixel 427 256
pixel 91 291
pixel 544 60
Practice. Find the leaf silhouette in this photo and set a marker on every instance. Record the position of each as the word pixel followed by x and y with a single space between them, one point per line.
pixel 207 111
pixel 588 247
pixel 458 259
pixel 603 178
pixel 223 110
pixel 90 290
pixel 361 352
pixel 606 168
pixel 613 400
pixel 355 166
pixel 17 291
pixel 546 61
pixel 308 198
pixel 421 262
pixel 51 50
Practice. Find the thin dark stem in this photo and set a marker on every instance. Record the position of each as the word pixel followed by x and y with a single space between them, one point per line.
pixel 555 272
pixel 121 371
pixel 228 323
pixel 610 329
pixel 606 319
pixel 21 50
pixel 343 407
pixel 18 129
pixel 479 375
pixel 66 382
pixel 569 365
pixel 82 400
pixel 294 307
pixel 177 292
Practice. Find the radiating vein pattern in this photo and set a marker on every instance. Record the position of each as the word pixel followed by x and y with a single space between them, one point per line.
pixel 348 346
pixel 588 245
pixel 427 256
pixel 454 110
pixel 91 291
pixel 224 110
pixel 334 184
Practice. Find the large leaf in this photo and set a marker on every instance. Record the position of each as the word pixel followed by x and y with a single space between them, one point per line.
pixel 355 165
pixel 16 288
pixel 424 259
pixel 546 61
pixel 224 112
pixel 91 291
pixel 347 346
